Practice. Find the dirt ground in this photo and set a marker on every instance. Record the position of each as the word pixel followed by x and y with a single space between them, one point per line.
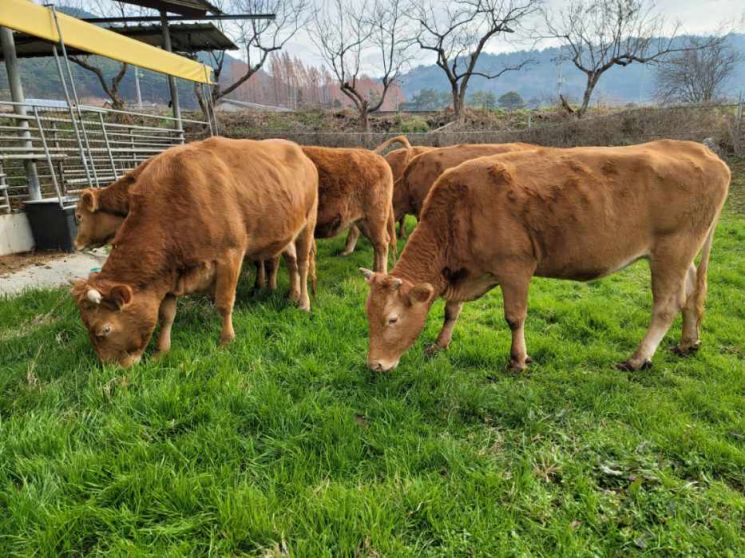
pixel 15 262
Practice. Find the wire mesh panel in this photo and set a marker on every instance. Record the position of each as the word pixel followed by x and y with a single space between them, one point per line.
pixel 76 149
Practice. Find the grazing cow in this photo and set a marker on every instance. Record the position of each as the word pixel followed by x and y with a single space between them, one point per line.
pixel 579 214
pixel 424 169
pixel 101 211
pixel 195 211
pixel 355 187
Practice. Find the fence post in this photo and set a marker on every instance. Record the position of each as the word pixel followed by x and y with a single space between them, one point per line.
pixel 16 94
pixel 737 128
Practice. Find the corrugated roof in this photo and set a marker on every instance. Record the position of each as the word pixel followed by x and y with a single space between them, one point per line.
pixel 187 37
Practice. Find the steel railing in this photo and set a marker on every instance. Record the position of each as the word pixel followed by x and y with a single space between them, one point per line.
pixel 80 148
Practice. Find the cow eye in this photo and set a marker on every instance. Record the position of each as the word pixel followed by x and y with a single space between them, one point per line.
pixel 392 320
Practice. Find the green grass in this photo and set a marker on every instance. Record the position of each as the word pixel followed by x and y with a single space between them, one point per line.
pixel 285 440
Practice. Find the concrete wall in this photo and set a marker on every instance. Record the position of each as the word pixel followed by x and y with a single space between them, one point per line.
pixel 15 234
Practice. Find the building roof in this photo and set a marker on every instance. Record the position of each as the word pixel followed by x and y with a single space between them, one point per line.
pixel 181 7
pixel 187 37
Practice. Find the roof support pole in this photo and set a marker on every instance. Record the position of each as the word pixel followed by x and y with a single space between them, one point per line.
pixel 171 80
pixel 16 95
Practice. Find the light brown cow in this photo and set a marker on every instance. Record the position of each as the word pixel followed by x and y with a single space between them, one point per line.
pixel 579 214
pixel 424 169
pixel 194 213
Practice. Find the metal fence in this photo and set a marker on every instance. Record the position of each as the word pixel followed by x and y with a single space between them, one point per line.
pixel 66 147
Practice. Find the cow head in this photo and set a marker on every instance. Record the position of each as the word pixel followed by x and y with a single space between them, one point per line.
pixel 119 319
pixel 396 314
pixel 95 227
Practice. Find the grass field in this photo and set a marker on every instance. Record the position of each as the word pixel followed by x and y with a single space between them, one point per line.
pixel 284 444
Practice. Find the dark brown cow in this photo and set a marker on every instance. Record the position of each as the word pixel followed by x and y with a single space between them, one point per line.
pixel 194 213
pixel 579 214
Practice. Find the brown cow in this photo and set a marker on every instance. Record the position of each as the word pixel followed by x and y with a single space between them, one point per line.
pixel 195 212
pixel 355 187
pixel 100 212
pixel 397 159
pixel 579 214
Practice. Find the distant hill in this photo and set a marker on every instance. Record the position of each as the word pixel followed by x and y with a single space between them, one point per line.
pixel 540 81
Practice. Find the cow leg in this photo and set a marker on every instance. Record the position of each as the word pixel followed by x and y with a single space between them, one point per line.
pixel 515 295
pixel 668 294
pixel 376 231
pixel 273 265
pixel 689 342
pixel 227 272
pixel 402 227
pixel 166 316
pixel 352 236
pixel 452 311
pixel 290 257
pixel 260 282
pixel 304 248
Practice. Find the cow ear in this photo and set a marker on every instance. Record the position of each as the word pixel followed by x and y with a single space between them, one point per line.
pixel 90 200
pixel 121 295
pixel 421 293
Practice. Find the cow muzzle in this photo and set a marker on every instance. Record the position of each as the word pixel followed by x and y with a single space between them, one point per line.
pixel 381 365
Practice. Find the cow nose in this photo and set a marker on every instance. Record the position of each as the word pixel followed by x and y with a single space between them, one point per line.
pixel 375 366
pixel 380 365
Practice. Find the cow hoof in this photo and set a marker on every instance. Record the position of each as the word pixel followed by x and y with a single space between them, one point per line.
pixel 304 307
pixel 345 253
pixel 528 359
pixel 159 354
pixel 226 339
pixel 432 349
pixel 687 350
pixel 515 366
pixel 629 366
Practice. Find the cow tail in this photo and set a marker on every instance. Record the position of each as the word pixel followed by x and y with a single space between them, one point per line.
pixel 403 140
pixel 312 267
pixel 701 272
pixel 391 225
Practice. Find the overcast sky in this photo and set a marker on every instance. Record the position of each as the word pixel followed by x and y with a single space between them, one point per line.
pixel 695 17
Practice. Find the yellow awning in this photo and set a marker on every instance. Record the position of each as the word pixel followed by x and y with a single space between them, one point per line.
pixel 25 16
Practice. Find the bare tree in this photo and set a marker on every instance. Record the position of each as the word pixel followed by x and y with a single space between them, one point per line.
pixel 344 33
pixel 258 38
pixel 598 35
pixel 458 31
pixel 696 75
pixel 111 88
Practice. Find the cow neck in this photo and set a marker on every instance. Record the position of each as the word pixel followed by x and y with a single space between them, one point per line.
pixel 424 258
pixel 139 265
pixel 115 199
